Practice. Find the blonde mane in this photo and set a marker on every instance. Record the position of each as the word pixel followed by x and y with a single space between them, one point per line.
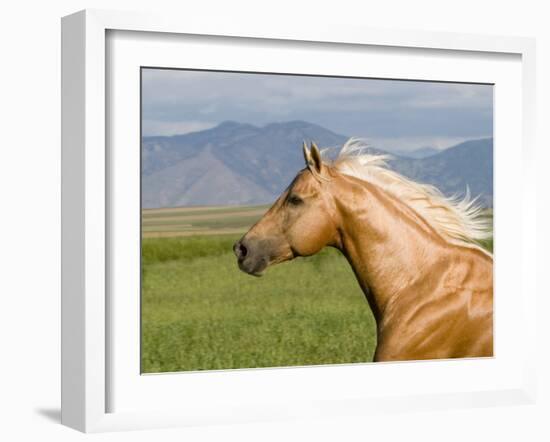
pixel 457 220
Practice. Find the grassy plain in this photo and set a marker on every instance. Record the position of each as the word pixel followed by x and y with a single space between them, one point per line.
pixel 199 312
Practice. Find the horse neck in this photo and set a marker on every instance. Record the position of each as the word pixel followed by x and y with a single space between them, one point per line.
pixel 385 241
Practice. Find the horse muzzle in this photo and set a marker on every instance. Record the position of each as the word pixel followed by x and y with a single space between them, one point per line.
pixel 250 257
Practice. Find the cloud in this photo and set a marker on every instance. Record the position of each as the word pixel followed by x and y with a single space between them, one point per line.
pixel 382 109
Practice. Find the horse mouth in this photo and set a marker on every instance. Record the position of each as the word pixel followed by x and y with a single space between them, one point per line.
pixel 254 267
pixel 255 256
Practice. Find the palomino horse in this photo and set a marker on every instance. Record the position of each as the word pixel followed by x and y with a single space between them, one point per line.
pixel 413 251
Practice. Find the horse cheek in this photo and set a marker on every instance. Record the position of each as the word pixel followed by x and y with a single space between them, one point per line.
pixel 308 238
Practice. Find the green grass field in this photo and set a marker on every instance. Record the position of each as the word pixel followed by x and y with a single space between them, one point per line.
pixel 200 312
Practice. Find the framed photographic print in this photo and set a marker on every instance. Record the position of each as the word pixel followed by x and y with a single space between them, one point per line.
pixel 263 223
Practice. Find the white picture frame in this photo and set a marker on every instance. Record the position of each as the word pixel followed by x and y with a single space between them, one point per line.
pixel 87 203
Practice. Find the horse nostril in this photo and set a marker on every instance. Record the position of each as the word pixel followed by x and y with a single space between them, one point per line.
pixel 242 250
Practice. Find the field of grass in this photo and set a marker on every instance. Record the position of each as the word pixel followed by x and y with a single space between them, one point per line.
pixel 200 312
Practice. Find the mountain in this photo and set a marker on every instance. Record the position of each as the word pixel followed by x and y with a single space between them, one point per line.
pixel 238 164
pixel 453 170
pixel 232 163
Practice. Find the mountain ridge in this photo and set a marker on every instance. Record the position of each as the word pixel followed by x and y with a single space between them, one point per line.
pixel 239 163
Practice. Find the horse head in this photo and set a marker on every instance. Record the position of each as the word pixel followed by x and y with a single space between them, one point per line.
pixel 300 223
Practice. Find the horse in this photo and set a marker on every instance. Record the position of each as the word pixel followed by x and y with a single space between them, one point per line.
pixel 414 251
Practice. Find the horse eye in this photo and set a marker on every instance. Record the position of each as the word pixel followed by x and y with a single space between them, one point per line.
pixel 295 200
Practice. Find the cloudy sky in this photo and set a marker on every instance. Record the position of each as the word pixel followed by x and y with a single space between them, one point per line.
pixel 389 114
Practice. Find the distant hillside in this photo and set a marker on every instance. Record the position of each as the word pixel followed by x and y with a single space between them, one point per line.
pixel 422 152
pixel 232 163
pixel 466 165
pixel 237 164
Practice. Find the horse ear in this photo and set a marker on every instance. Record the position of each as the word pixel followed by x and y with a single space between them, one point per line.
pixel 307 154
pixel 316 161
